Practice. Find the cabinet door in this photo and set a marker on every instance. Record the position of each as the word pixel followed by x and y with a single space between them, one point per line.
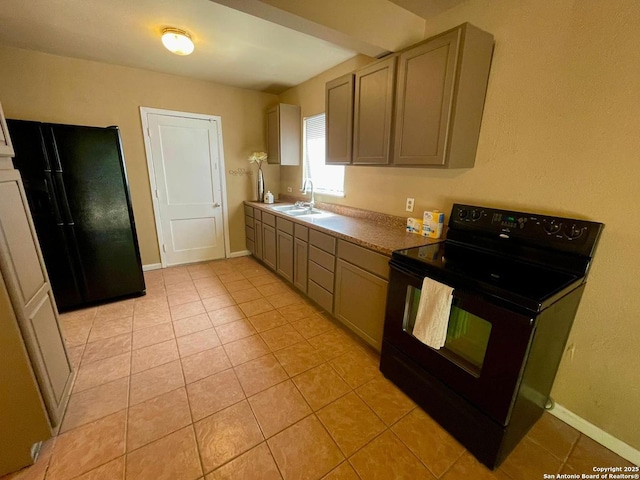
pixel 273 135
pixel 269 246
pixel 339 120
pixel 424 99
pixel 285 255
pixel 300 263
pixel 284 134
pixel 360 300
pixel 6 149
pixel 373 112
pixel 258 239
pixel 31 296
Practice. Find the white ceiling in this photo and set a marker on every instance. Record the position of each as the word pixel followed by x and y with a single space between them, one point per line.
pixel 232 47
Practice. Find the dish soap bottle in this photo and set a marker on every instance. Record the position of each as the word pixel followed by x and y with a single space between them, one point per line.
pixel 268 197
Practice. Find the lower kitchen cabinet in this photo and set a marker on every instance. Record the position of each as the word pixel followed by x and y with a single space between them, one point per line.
pixel 300 264
pixel 257 239
pixel 285 255
pixel 360 299
pixel 345 279
pixel 300 256
pixel 250 232
pixel 269 246
pixel 361 291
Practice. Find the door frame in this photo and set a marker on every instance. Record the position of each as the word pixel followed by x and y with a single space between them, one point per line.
pixel 144 112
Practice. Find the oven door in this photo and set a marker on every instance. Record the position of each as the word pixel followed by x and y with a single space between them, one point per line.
pixel 485 349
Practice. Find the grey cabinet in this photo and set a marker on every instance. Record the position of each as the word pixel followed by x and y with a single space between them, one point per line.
pixel 284 134
pixel 361 280
pixel 269 240
pixel 322 248
pixel 425 103
pixel 373 112
pixel 249 229
pixel 440 96
pixel 300 257
pixel 31 296
pixel 339 120
pixel 285 248
pixel 258 231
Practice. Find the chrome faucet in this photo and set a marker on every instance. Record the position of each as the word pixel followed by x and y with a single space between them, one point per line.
pixel 305 189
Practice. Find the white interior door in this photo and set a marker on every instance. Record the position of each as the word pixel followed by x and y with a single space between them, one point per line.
pixel 186 165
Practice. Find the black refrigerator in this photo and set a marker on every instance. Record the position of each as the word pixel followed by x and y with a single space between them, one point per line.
pixel 76 185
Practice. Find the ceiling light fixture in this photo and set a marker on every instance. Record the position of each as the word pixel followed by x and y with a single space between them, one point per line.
pixel 177 41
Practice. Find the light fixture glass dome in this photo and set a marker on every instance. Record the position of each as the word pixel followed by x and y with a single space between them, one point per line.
pixel 177 41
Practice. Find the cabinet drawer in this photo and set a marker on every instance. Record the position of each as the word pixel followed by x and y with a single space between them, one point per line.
pixel 268 219
pixel 285 225
pixel 251 233
pixel 364 258
pixel 251 246
pixel 322 258
pixel 320 296
pixel 302 232
pixel 322 241
pixel 248 221
pixel 248 211
pixel 257 214
pixel 321 276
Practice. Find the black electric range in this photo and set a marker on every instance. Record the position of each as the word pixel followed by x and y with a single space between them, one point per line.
pixel 517 281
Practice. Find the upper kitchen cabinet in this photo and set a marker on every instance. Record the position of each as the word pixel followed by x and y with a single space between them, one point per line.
pixel 373 111
pixel 284 134
pixel 339 123
pixel 440 97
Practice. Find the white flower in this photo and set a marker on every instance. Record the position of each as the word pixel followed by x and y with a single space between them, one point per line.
pixel 258 157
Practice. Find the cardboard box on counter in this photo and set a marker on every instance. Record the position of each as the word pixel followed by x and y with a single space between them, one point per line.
pixel 414 225
pixel 432 224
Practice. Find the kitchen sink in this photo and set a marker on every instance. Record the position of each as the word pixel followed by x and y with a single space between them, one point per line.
pixel 296 211
pixel 303 211
pixel 285 208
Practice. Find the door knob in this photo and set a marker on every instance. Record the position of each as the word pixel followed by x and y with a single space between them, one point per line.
pixel 216 205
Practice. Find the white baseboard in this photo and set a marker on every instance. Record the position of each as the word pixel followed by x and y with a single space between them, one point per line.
pixel 596 433
pixel 152 266
pixel 241 253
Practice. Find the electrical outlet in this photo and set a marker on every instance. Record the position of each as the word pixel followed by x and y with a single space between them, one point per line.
pixel 409 207
pixel 289 190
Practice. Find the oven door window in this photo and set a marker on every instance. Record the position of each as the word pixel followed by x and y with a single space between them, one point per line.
pixel 467 334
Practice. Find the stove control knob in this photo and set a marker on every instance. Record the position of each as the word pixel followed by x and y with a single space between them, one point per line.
pixel 573 231
pixel 475 214
pixel 552 227
pixel 463 213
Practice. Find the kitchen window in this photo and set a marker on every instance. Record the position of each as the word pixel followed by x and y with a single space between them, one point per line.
pixel 327 179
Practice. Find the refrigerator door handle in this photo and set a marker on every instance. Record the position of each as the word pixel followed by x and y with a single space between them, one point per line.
pixel 66 210
pixel 48 183
pixel 65 203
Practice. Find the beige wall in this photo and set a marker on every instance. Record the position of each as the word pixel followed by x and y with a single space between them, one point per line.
pixel 37 86
pixel 560 135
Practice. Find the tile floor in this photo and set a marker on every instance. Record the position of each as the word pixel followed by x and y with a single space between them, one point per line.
pixel 224 372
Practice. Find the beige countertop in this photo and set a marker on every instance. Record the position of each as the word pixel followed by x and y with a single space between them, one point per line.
pixel 383 235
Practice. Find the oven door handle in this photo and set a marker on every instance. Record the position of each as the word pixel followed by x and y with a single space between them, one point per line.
pixel 414 274
pixel 402 269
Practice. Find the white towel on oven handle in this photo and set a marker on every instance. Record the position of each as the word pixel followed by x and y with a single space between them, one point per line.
pixel 432 318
